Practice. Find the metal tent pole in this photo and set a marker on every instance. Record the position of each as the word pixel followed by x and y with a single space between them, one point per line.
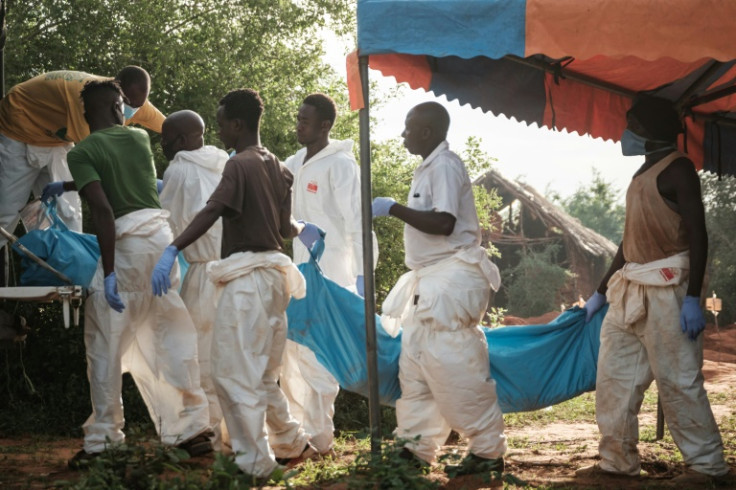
pixel 5 258
pixel 374 407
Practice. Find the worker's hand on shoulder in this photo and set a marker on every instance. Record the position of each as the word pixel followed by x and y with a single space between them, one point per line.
pixel 692 320
pixel 310 234
pixel 594 304
pixel 382 206
pixel 111 293
pixel 160 282
pixel 52 189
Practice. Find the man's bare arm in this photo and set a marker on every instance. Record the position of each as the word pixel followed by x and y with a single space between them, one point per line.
pixel 681 179
pixel 618 262
pixel 430 222
pixel 200 224
pixel 103 220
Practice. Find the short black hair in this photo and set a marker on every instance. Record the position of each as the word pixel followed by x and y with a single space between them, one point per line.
pixel 94 88
pixel 245 104
pixel 133 75
pixel 325 106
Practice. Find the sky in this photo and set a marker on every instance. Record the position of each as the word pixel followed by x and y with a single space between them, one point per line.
pixel 549 161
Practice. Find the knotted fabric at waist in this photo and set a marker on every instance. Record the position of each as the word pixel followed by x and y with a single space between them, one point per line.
pixel 242 263
pixel 627 287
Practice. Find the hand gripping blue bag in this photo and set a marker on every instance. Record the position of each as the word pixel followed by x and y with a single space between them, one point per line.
pixel 330 320
pixel 73 254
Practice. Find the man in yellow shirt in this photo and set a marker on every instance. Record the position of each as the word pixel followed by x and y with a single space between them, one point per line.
pixel 40 120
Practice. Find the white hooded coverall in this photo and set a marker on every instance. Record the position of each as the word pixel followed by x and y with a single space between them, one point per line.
pixel 153 339
pixel 326 191
pixel 189 180
pixel 444 368
pixel 247 348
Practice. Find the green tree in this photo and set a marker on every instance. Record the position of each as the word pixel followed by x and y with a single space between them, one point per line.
pixel 596 206
pixel 719 197
pixel 533 285
pixel 195 51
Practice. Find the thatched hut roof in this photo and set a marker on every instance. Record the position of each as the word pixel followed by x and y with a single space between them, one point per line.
pixel 529 218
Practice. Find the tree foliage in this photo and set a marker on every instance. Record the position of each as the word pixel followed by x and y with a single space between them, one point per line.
pixel 596 206
pixel 195 51
pixel 533 285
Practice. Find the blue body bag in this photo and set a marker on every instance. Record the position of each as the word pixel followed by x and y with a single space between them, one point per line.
pixel 534 366
pixel 73 254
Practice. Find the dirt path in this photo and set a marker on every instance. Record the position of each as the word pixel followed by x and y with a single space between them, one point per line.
pixel 541 455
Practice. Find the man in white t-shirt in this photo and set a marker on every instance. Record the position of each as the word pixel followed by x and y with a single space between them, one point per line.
pixel 444 368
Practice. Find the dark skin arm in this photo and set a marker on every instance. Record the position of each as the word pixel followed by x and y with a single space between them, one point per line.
pixel 430 222
pixel 104 223
pixel 679 185
pixel 618 262
pixel 200 224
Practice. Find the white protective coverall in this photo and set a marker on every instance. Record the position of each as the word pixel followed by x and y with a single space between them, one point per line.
pixel 636 348
pixel 444 367
pixel 153 339
pixel 27 168
pixel 326 191
pixel 247 348
pixel 189 180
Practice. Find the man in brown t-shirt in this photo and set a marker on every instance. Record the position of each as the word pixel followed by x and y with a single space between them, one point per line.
pixel 254 201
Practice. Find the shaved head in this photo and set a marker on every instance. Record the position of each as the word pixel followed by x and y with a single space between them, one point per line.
pixel 182 130
pixel 433 116
pixel 425 128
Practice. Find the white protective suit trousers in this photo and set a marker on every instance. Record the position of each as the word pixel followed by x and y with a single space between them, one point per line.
pixel 27 168
pixel 637 348
pixel 444 368
pixel 200 295
pixel 248 345
pixel 153 339
pixel 311 391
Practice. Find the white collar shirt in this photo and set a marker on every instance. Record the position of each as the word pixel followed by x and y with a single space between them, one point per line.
pixel 441 184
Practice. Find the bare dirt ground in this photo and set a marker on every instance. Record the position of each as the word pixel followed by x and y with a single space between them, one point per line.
pixel 543 456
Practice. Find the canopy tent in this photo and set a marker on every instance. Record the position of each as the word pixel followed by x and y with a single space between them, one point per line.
pixel 565 64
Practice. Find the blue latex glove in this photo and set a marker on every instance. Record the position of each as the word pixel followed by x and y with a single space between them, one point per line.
pixel 381 206
pixel 111 293
pixel 360 286
pixel 692 320
pixel 594 304
pixel 310 234
pixel 159 186
pixel 52 189
pixel 160 281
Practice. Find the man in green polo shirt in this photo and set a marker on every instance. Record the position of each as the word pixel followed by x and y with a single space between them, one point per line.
pixel 126 328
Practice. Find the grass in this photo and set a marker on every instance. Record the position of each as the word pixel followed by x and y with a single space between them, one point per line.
pixel 142 463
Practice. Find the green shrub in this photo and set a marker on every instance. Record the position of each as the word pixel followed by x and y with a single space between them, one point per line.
pixel 533 285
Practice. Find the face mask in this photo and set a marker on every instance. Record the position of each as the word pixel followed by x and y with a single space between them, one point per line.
pixel 632 144
pixel 129 111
